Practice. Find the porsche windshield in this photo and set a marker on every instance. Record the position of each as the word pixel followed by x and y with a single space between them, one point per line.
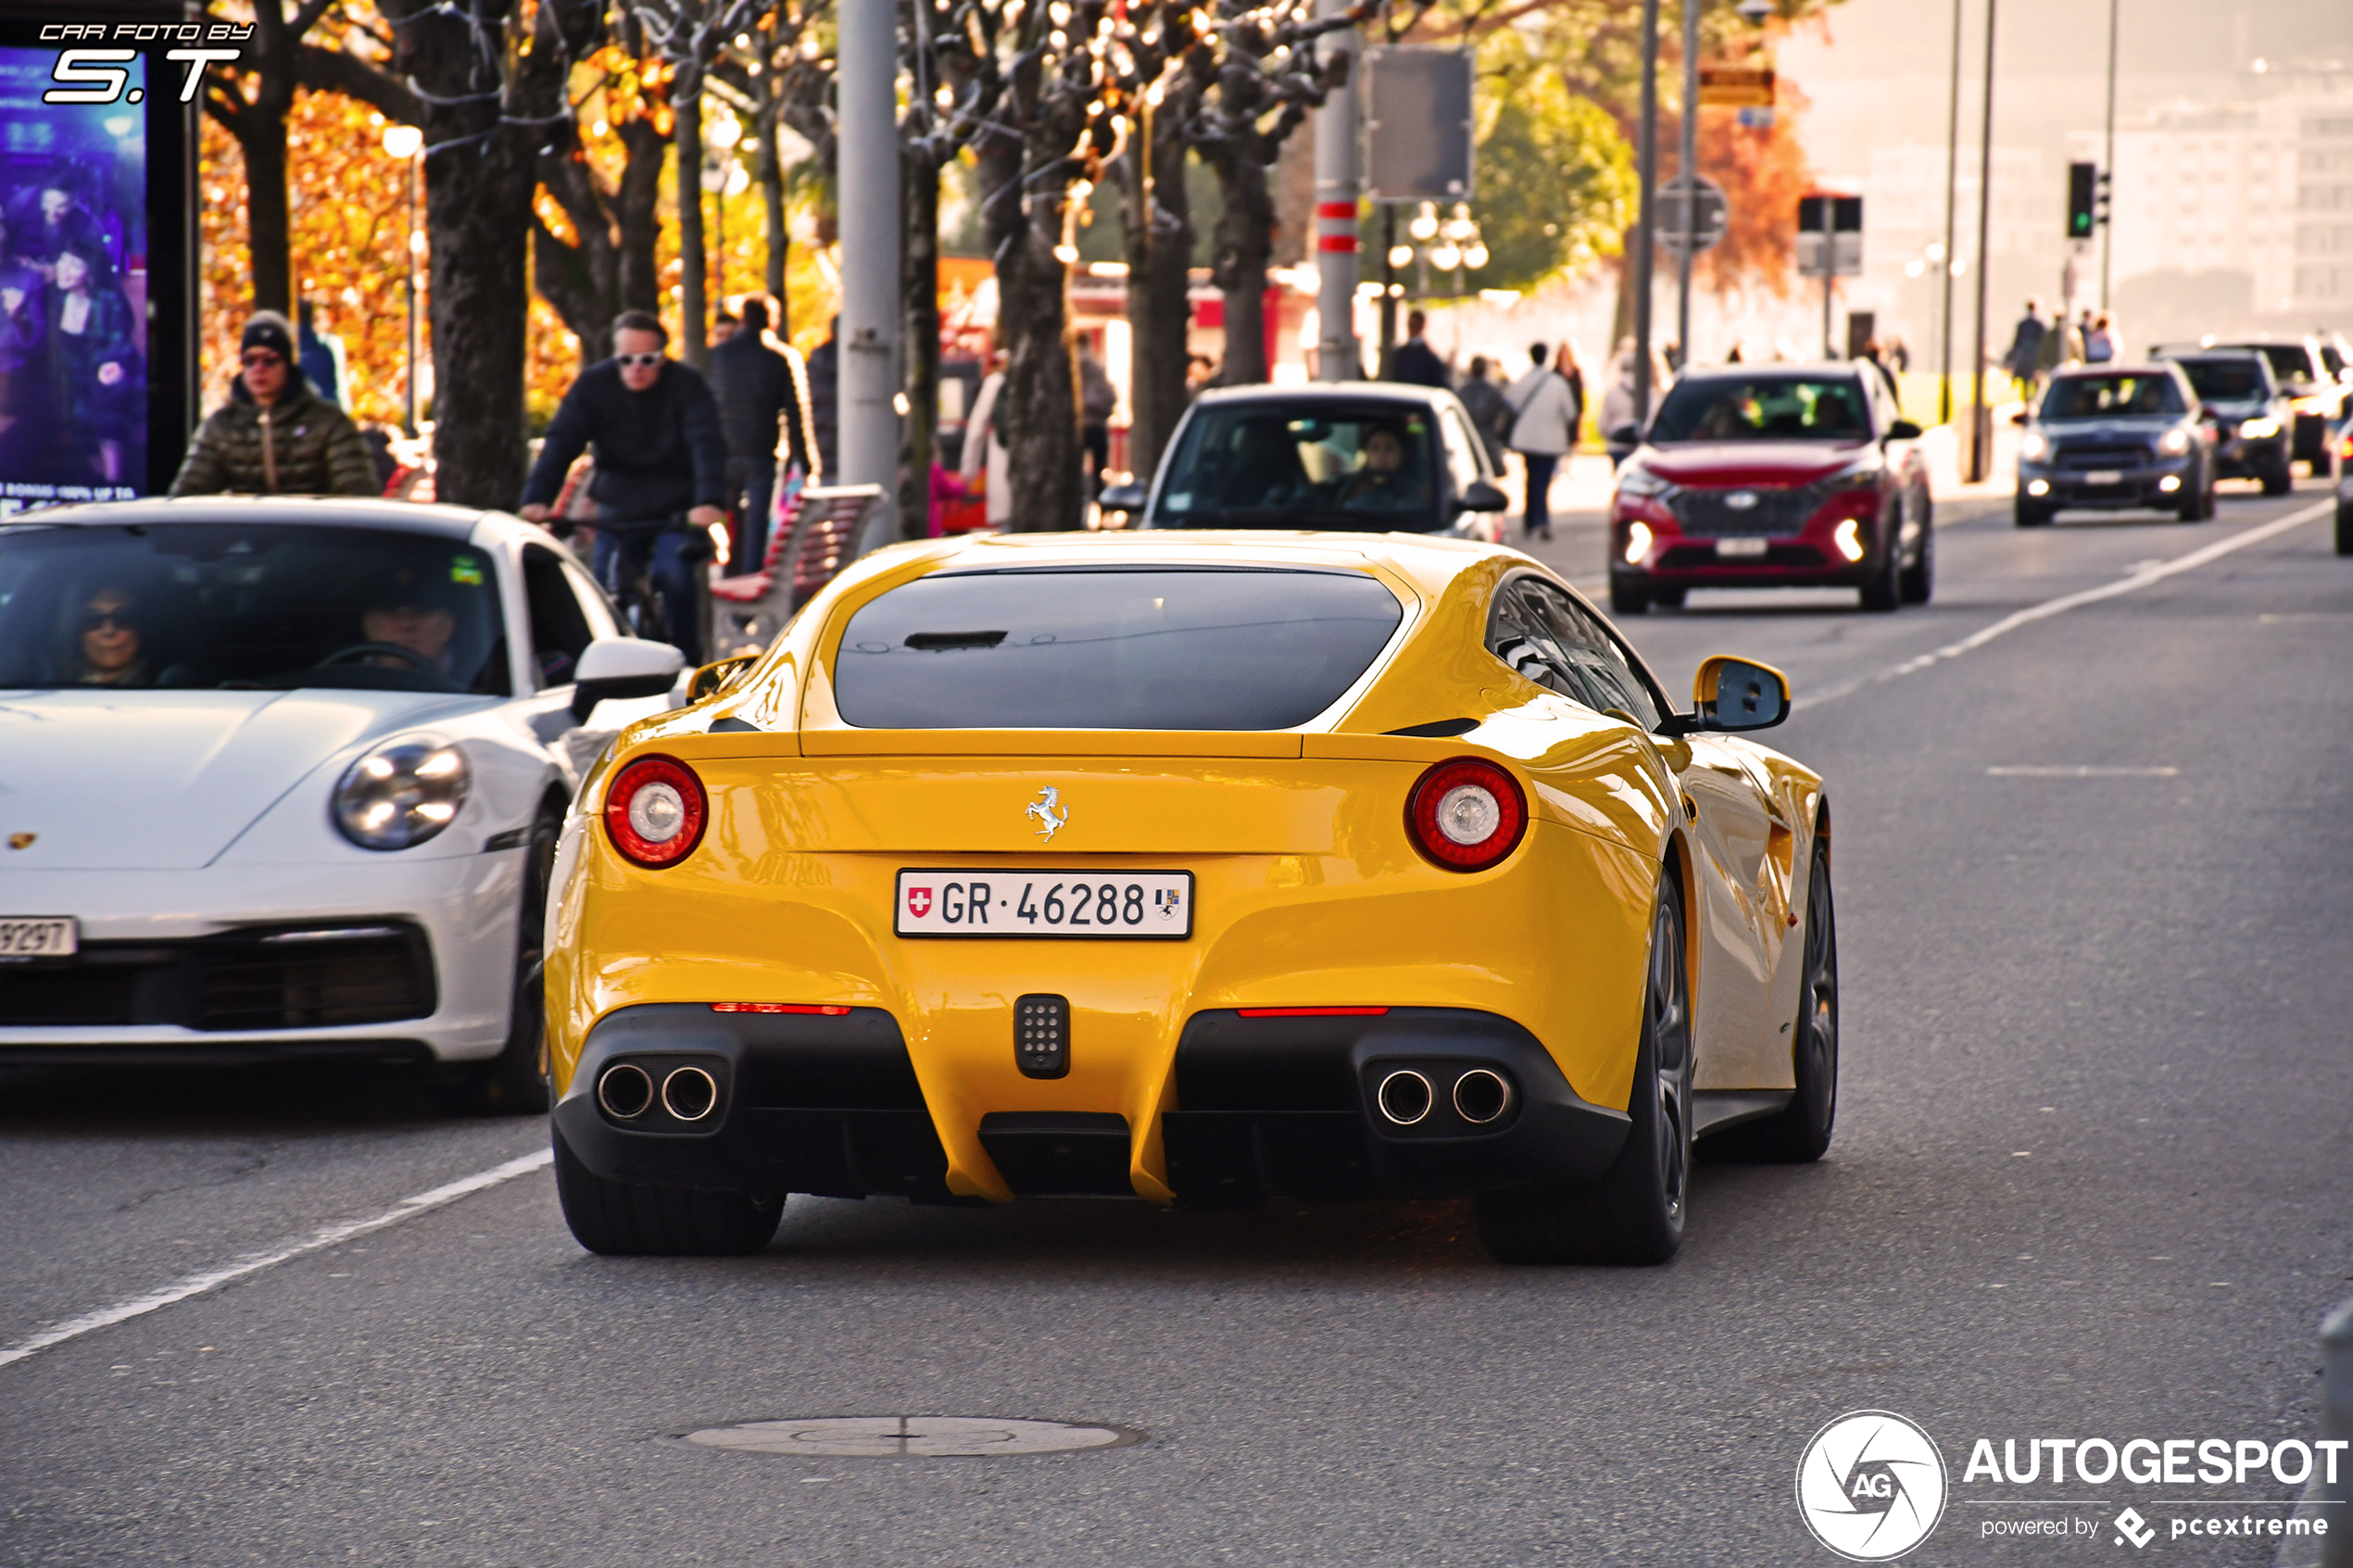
pixel 2122 397
pixel 268 607
pixel 1764 408
pixel 1271 465
pixel 1155 648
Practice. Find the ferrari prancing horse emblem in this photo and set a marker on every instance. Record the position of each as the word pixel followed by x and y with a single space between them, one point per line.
pixel 1048 812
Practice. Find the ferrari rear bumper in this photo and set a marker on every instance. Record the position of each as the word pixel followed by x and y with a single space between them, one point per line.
pixel 1405 1102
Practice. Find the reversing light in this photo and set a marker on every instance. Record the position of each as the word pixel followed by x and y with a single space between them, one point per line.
pixel 654 811
pixel 1638 543
pixel 1849 538
pixel 1466 815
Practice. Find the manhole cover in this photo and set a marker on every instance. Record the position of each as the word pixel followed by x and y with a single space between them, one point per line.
pixel 916 1437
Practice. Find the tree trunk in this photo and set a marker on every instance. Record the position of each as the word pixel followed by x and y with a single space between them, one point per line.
pixel 1159 252
pixel 770 169
pixel 261 137
pixel 693 305
pixel 1245 243
pixel 610 268
pixel 637 214
pixel 919 336
pixel 1039 407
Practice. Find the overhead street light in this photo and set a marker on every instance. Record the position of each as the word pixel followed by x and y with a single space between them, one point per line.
pixel 405 142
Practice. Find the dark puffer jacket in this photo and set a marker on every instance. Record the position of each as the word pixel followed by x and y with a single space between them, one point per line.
pixel 302 445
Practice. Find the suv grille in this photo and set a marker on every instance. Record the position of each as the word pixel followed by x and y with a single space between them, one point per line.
pixel 2108 454
pixel 246 980
pixel 1778 510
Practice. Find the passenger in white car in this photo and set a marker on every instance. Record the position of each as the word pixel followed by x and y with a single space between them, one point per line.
pixel 111 650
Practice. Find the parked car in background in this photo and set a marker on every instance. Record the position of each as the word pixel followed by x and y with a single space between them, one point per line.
pixel 1364 457
pixel 2250 420
pixel 2318 398
pixel 2118 436
pixel 2345 487
pixel 1773 476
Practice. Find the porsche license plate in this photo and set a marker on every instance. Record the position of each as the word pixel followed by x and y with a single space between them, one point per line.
pixel 1062 903
pixel 1739 548
pixel 2103 476
pixel 38 936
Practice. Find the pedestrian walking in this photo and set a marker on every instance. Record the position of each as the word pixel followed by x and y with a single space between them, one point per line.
pixel 1097 398
pixel 2060 347
pixel 985 459
pixel 2025 352
pixel 825 398
pixel 275 435
pixel 662 469
pixel 321 357
pixel 1489 410
pixel 761 388
pixel 1415 362
pixel 1546 417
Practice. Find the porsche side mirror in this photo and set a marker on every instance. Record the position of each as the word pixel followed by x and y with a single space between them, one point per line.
pixel 1121 498
pixel 618 667
pixel 1480 496
pixel 716 677
pixel 1730 695
pixel 1903 429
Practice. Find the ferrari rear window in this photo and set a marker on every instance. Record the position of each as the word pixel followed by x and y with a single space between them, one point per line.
pixel 1153 649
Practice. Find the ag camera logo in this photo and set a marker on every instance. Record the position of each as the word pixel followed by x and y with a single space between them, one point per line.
pixel 1871 1485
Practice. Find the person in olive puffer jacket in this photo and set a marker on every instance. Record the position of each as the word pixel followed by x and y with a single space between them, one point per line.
pixel 275 436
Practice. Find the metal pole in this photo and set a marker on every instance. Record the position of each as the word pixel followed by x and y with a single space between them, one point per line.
pixel 1645 226
pixel 1830 274
pixel 1388 292
pixel 1687 170
pixel 1981 461
pixel 1952 191
pixel 1338 354
pixel 868 138
pixel 2107 159
pixel 414 161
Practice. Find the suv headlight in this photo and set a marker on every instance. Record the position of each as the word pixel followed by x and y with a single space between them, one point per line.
pixel 1637 482
pixel 2260 429
pixel 2035 447
pixel 2174 442
pixel 401 794
pixel 1867 469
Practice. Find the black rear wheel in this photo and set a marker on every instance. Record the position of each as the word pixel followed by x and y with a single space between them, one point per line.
pixel 2344 528
pixel 1801 1133
pixel 2279 478
pixel 1883 590
pixel 626 1219
pixel 1635 1212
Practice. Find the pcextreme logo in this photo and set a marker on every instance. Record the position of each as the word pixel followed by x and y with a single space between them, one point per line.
pixel 1871 1485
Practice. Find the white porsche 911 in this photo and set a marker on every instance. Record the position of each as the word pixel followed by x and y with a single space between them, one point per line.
pixel 284 778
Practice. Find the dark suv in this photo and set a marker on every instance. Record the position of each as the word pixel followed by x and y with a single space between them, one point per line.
pixel 2301 368
pixel 2118 435
pixel 2250 420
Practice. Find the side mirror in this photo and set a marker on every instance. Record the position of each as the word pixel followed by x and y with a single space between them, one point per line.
pixel 1729 695
pixel 1122 499
pixel 714 678
pixel 2021 417
pixel 1626 435
pixel 1480 496
pixel 1903 429
pixel 618 667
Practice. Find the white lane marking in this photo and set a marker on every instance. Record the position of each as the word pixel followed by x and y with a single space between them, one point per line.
pixel 254 1262
pixel 2084 771
pixel 2141 576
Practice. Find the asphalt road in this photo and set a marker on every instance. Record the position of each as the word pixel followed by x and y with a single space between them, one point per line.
pixel 2093 1177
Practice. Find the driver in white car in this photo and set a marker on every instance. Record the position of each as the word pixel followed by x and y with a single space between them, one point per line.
pixel 412 612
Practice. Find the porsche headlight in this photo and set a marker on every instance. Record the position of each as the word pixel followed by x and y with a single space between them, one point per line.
pixel 2259 430
pixel 398 796
pixel 2035 447
pixel 2174 442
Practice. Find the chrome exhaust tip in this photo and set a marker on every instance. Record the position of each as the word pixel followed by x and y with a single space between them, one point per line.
pixel 1480 1097
pixel 1404 1096
pixel 689 1094
pixel 625 1091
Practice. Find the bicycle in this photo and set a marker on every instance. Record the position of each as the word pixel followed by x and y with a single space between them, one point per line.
pixel 627 574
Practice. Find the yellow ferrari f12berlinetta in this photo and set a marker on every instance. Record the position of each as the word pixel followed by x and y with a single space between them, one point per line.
pixel 1199 869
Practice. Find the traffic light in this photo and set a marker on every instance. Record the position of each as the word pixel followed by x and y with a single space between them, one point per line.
pixel 2082 185
pixel 2105 205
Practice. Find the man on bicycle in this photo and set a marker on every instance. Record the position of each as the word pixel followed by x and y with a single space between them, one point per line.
pixel 662 469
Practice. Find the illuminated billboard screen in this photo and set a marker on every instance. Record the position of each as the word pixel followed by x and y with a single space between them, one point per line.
pixel 96 329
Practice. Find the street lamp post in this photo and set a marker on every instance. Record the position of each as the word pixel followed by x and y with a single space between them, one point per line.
pixel 1952 184
pixel 405 142
pixel 1981 461
pixel 1646 222
pixel 1687 170
pixel 2107 157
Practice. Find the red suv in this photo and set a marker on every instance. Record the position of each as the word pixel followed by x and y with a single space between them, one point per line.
pixel 1786 476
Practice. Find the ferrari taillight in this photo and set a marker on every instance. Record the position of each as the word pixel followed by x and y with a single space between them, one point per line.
pixel 1466 815
pixel 655 811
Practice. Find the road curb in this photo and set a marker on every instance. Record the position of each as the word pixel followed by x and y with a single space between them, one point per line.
pixel 2336 1548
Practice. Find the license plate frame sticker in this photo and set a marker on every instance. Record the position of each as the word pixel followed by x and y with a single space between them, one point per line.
pixel 1742 549
pixel 2105 476
pixel 1025 905
pixel 26 937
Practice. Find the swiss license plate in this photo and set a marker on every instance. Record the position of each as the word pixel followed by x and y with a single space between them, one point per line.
pixel 2105 476
pixel 1740 547
pixel 1060 903
pixel 38 936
